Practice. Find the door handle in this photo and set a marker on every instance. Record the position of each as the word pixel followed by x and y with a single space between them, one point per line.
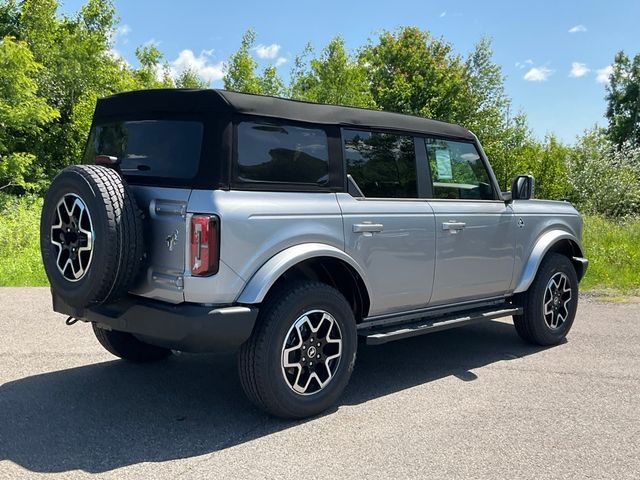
pixel 367 227
pixel 453 227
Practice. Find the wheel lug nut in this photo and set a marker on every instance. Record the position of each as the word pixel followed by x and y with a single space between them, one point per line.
pixel 318 344
pixel 304 347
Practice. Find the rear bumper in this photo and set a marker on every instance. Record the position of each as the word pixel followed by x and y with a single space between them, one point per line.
pixel 186 327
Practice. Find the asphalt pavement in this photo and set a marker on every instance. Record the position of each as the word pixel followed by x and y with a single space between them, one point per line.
pixel 474 402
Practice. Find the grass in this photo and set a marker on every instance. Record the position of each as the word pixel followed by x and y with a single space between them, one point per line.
pixel 613 250
pixel 20 261
pixel 612 247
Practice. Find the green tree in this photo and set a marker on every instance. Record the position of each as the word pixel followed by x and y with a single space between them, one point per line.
pixel 489 116
pixel 77 68
pixel 23 112
pixel 623 100
pixel 605 178
pixel 411 72
pixel 189 79
pixel 547 162
pixel 9 18
pixel 270 82
pixel 334 77
pixel 240 70
pixel 153 71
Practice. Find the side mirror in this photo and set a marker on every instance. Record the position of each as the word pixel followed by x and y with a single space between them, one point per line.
pixel 522 187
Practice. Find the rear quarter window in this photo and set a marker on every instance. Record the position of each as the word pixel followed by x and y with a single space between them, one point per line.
pixel 278 153
pixel 154 148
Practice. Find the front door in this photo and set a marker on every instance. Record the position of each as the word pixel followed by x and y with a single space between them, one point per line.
pixel 475 231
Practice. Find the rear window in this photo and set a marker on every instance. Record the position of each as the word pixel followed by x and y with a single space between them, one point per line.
pixel 155 148
pixel 280 153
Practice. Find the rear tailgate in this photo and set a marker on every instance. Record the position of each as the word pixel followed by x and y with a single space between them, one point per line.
pixel 161 159
pixel 165 238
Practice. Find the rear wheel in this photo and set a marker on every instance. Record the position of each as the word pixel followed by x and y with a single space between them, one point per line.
pixel 550 304
pixel 128 347
pixel 301 354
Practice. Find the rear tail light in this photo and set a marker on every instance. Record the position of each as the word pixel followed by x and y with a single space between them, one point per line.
pixel 205 245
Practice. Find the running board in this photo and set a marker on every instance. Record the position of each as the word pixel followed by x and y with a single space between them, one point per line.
pixel 380 335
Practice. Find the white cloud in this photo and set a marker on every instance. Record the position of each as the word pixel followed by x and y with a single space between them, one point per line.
pixel 280 61
pixel 201 65
pixel 578 70
pixel 267 51
pixel 524 64
pixel 578 29
pixel 603 74
pixel 538 74
pixel 443 14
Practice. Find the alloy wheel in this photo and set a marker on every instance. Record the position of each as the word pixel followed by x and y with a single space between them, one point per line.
pixel 557 296
pixel 72 236
pixel 311 352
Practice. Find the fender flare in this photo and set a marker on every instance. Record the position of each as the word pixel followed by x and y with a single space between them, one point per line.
pixel 542 246
pixel 258 286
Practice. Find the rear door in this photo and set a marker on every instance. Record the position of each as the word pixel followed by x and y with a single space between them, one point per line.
pixel 389 231
pixel 475 231
pixel 159 158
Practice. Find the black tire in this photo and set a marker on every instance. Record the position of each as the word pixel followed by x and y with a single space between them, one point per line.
pixel 128 347
pixel 118 245
pixel 532 326
pixel 260 358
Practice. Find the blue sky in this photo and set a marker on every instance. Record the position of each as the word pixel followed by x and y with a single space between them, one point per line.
pixel 553 53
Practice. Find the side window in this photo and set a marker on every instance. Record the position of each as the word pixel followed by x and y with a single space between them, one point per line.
pixel 276 153
pixel 382 164
pixel 457 170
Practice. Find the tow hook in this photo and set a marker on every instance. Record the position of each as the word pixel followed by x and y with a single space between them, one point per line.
pixel 70 321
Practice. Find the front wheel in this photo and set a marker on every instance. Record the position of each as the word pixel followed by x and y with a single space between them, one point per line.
pixel 550 304
pixel 301 354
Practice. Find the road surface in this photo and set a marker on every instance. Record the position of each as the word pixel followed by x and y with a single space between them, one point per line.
pixel 474 402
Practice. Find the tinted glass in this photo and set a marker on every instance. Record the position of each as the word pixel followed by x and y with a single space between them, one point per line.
pixel 457 170
pixel 158 148
pixel 382 164
pixel 276 153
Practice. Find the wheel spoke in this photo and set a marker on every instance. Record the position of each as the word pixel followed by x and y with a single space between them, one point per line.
pixel 548 307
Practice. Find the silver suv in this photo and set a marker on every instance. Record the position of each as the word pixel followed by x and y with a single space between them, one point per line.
pixel 206 220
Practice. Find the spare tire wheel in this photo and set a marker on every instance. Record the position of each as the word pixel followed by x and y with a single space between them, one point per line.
pixel 91 235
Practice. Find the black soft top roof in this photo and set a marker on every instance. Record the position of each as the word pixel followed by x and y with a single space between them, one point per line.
pixel 214 103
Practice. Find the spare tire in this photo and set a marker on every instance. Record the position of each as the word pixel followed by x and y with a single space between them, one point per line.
pixel 91 235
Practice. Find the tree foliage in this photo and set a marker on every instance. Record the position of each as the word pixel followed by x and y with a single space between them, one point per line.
pixel 54 67
pixel 334 77
pixel 23 113
pixel 241 75
pixel 605 179
pixel 623 100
